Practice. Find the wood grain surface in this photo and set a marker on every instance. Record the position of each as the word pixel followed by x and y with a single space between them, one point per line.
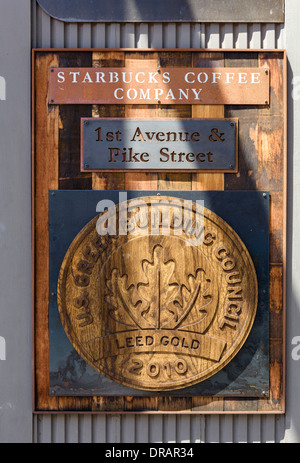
pixel 262 166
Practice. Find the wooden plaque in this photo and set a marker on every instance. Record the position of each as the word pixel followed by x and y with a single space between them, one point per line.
pixel 167 372
pixel 71 211
pixel 157 307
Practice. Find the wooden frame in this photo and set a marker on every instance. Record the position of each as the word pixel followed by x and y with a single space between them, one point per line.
pixel 269 142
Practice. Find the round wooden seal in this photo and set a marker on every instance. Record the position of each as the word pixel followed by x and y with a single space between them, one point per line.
pixel 157 293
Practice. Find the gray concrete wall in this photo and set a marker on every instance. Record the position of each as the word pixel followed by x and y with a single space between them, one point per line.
pixel 15 222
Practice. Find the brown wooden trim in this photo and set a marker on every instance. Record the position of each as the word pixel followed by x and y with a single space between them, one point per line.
pixel 33 228
pixel 150 50
pixel 44 168
pixel 284 290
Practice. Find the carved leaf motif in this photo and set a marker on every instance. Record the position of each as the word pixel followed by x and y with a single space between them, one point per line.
pixel 117 306
pixel 159 292
pixel 196 299
pixel 160 302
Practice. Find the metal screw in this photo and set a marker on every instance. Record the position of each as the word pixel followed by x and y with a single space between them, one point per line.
pixel 158 70
pixel 158 101
pixel 266 71
pixel 52 101
pixel 232 124
pixel 52 70
pixel 53 194
pixel 264 195
pixel 266 101
pixel 86 166
pixel 86 122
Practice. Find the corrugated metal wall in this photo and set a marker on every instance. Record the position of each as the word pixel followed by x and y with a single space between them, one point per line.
pixel 70 428
pixel 50 33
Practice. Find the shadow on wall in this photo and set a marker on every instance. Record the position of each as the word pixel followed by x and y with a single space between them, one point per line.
pixel 166 10
pixel 120 10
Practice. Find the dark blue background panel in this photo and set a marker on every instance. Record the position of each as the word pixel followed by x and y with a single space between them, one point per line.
pixel 247 212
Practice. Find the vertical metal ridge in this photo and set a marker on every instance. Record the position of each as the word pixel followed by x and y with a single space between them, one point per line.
pixel 226 36
pixel 156 39
pixel 142 429
pixel 240 32
pixel 128 35
pixel 255 36
pixel 212 39
pixel 98 36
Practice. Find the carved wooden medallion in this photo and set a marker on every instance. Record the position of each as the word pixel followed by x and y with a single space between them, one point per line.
pixel 164 300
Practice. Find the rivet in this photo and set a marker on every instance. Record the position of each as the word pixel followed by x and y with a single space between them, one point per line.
pixel 266 101
pixel 158 101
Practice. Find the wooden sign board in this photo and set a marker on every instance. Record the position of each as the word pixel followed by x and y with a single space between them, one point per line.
pixel 162 85
pixel 159 145
pixel 81 279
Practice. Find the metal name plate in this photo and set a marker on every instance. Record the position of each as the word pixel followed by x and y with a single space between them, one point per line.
pixel 165 10
pixel 144 145
pixel 122 85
